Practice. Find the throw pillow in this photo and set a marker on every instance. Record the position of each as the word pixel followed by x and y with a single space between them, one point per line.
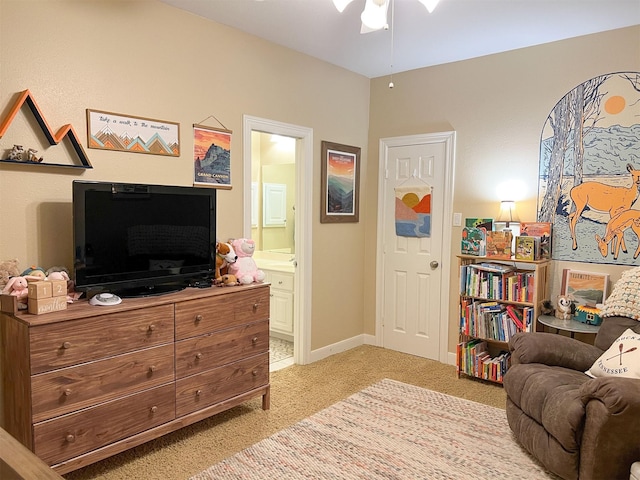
pixel 622 359
pixel 624 301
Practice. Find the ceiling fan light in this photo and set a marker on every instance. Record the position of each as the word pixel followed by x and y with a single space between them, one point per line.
pixel 429 4
pixel 374 15
pixel 341 4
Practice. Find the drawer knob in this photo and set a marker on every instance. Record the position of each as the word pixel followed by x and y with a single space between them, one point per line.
pixel 152 368
pixel 198 355
pixel 255 307
pixel 66 345
pixel 254 340
pixel 154 409
pixel 67 392
pixel 70 438
pixel 198 318
pixel 152 327
pixel 198 393
pixel 280 282
pixel 255 373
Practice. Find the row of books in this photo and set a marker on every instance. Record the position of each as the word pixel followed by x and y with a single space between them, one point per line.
pixel 493 321
pixel 532 248
pixel 474 360
pixel 511 285
pixel 533 243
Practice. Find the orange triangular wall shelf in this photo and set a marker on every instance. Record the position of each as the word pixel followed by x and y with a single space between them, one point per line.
pixel 65 130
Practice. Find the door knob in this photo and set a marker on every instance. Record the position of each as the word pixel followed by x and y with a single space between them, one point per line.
pixel 434 265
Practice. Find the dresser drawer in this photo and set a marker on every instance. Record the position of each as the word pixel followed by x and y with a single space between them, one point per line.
pixel 199 391
pixel 71 388
pixel 77 341
pixel 198 354
pixel 198 317
pixel 80 432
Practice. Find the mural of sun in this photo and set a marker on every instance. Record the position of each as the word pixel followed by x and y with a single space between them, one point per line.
pixel 614 105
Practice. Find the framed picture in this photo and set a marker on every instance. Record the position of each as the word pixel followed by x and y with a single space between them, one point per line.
pixel 340 183
pixel 124 133
pixel 211 157
pixel 585 288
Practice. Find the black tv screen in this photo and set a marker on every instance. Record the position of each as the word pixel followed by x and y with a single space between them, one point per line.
pixel 136 239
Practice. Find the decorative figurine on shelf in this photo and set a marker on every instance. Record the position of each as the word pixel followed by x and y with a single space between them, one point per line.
pixel 32 157
pixel 16 153
pixel 565 307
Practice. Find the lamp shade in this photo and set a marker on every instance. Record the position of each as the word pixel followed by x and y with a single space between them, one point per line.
pixel 507 212
pixel 374 15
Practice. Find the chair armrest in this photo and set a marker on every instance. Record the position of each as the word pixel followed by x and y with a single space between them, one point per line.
pixel 609 444
pixel 619 395
pixel 553 350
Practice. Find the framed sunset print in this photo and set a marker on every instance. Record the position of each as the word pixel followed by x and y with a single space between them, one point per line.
pixel 340 183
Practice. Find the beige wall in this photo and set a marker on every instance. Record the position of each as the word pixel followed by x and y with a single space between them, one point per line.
pixel 497 105
pixel 145 58
pixel 148 59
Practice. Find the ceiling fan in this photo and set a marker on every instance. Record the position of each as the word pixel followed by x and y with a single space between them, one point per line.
pixel 374 15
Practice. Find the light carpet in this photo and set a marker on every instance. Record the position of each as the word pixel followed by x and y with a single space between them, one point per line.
pixel 390 430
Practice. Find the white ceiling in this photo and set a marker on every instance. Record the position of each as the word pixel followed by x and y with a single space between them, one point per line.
pixel 456 30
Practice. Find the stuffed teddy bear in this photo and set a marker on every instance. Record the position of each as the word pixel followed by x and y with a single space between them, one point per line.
pixel 225 256
pixel 245 268
pixel 8 269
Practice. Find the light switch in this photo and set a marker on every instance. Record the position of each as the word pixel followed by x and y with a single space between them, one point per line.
pixel 457 219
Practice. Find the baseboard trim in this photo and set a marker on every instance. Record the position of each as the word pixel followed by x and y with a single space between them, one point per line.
pixel 353 342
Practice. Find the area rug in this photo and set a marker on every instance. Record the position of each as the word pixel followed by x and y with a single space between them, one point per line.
pixel 389 430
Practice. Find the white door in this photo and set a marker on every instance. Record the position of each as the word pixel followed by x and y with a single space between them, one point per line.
pixel 414 289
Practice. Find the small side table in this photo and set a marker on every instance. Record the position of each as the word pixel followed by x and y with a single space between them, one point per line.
pixel 571 325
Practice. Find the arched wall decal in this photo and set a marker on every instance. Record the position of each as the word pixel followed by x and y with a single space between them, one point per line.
pixel 589 178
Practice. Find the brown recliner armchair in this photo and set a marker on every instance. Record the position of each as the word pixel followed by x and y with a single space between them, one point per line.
pixel 578 427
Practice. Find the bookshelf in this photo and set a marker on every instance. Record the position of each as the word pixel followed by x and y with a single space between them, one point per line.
pixel 498 298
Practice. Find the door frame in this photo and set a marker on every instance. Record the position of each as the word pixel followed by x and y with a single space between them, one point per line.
pixel 448 138
pixel 302 233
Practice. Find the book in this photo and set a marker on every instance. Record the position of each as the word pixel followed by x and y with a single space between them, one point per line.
pixel 526 247
pixel 486 223
pixel 494 267
pixel 474 241
pixel 498 244
pixel 516 317
pixel 542 230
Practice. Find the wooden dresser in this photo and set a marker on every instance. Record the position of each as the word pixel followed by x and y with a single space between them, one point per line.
pixel 82 384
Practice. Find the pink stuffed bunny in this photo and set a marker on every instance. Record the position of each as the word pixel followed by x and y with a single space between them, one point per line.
pixel 245 268
pixel 19 287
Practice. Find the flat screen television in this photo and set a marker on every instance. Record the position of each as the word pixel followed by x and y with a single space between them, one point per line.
pixel 137 240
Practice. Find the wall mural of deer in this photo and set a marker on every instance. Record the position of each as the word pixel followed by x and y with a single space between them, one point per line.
pixel 589 180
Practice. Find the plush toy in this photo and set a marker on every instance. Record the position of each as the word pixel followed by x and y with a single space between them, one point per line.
pixel 225 256
pixel 546 308
pixel 8 269
pixel 228 280
pixel 245 268
pixel 19 287
pixel 34 271
pixel 565 307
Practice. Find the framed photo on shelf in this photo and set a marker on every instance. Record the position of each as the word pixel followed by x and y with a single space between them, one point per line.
pixel 340 183
pixel 125 133
pixel 585 288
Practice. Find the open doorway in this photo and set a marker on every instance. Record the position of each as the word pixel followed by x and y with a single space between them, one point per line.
pixel 277 159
